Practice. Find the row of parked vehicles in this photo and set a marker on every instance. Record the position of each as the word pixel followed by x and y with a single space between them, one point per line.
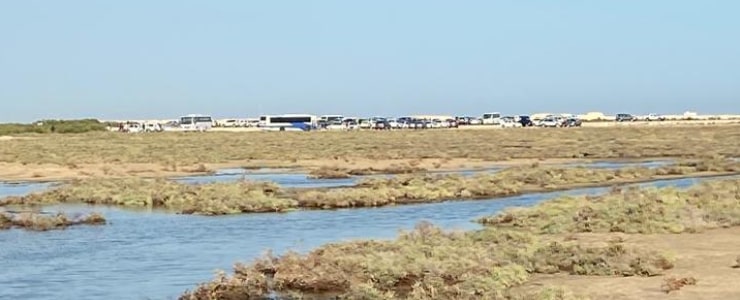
pixel 382 123
pixel 630 118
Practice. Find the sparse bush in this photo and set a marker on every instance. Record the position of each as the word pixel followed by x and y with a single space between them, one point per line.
pixel 649 210
pixel 429 263
pixel 672 284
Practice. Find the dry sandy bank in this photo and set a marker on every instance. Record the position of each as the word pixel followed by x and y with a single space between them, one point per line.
pixel 707 256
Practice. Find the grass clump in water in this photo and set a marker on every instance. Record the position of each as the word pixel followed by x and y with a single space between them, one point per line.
pixel 329 173
pixel 340 173
pixel 44 222
pixel 419 188
pixel 206 199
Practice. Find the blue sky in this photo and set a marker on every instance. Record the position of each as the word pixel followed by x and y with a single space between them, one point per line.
pixel 162 59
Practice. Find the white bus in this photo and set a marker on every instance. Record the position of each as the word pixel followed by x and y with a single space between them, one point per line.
pixel 292 122
pixel 196 123
pixel 493 118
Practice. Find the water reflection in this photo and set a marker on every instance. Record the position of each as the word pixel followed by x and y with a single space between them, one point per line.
pixel 618 165
pixel 283 178
pixel 156 255
pixel 8 189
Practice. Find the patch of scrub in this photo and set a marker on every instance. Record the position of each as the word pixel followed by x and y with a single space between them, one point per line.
pixel 157 255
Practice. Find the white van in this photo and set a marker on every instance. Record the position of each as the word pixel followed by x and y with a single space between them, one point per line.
pixel 492 118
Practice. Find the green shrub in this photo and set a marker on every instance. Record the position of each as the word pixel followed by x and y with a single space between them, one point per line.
pixel 59 126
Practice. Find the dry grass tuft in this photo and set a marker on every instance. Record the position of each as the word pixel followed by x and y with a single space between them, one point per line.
pixel 672 284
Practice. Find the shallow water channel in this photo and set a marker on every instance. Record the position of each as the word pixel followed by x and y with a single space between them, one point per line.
pixel 300 180
pixel 157 255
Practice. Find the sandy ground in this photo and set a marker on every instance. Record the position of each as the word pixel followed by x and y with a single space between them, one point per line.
pixel 53 172
pixel 6 138
pixel 50 172
pixel 707 256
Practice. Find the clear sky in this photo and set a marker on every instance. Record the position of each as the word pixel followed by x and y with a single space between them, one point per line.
pixel 165 58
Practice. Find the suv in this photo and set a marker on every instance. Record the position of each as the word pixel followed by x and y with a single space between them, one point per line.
pixel 624 118
pixel 572 122
pixel 381 125
pixel 526 121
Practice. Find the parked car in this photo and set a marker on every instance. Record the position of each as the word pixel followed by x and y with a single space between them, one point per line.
pixel 463 120
pixel 350 124
pixel 436 123
pixel 405 122
pixel 152 127
pixel 525 121
pixel 624 118
pixel 476 121
pixel 321 124
pixel 365 123
pixel 509 122
pixel 654 117
pixel 335 125
pixel 452 123
pixel 380 124
pixel 572 122
pixel 551 121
